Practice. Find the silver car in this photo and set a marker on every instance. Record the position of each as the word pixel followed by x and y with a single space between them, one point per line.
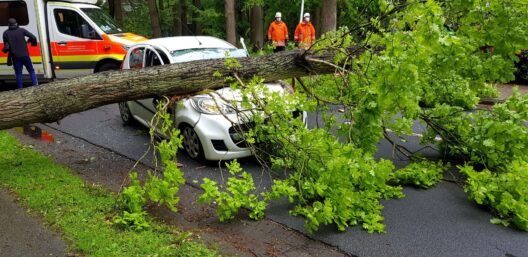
pixel 209 125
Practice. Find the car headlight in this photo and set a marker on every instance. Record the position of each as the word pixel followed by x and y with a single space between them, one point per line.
pixel 208 105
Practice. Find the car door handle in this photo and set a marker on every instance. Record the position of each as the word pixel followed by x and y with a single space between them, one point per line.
pixel 62 43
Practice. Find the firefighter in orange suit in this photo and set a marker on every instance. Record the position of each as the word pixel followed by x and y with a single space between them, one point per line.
pixel 278 33
pixel 305 33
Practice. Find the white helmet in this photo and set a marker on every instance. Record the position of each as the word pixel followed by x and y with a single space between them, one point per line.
pixel 307 14
pixel 278 15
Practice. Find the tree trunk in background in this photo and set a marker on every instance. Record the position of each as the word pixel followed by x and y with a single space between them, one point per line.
pixel 111 11
pixel 230 21
pixel 329 18
pixel 317 20
pixel 118 11
pixel 154 18
pixel 162 6
pixel 243 17
pixel 177 25
pixel 196 24
pixel 54 101
pixel 257 27
pixel 183 18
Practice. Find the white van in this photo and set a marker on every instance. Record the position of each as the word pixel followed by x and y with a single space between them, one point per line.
pixel 75 37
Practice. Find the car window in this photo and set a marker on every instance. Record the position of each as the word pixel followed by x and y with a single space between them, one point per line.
pixel 136 58
pixel 152 58
pixel 163 56
pixel 71 23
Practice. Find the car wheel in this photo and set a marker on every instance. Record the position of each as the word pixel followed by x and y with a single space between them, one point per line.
pixel 108 66
pixel 191 143
pixel 125 113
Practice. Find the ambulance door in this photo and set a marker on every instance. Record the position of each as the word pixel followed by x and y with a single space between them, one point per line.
pixel 73 42
pixel 27 16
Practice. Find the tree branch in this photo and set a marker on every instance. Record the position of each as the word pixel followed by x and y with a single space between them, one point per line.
pixel 54 101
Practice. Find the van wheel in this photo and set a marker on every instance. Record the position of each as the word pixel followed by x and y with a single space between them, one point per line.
pixel 125 113
pixel 108 66
pixel 191 143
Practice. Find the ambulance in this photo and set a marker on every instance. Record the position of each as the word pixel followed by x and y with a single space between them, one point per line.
pixel 75 37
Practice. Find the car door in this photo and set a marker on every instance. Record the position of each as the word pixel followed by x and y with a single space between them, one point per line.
pixel 136 60
pixel 146 108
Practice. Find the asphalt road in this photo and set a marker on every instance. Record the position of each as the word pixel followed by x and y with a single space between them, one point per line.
pixel 436 222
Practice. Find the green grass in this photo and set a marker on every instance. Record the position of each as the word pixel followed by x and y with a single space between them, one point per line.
pixel 82 212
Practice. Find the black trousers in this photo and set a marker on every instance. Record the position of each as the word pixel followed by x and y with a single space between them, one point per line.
pixel 279 49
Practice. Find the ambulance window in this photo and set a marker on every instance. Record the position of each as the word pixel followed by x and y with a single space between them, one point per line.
pixel 101 19
pixel 135 60
pixel 71 23
pixel 13 9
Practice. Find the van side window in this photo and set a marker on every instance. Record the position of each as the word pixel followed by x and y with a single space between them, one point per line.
pixel 14 9
pixel 71 23
pixel 136 58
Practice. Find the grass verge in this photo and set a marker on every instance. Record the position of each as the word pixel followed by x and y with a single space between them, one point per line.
pixel 83 212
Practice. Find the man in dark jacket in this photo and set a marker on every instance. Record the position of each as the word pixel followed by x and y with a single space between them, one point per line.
pixel 15 44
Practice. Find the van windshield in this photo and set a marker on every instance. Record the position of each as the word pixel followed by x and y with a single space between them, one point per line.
pixel 102 20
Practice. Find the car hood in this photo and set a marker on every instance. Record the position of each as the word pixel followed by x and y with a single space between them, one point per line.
pixel 229 94
pixel 126 39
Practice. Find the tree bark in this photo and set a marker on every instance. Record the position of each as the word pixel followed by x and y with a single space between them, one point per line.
pixel 118 11
pixel 177 25
pixel 317 20
pixel 111 10
pixel 196 24
pixel 154 18
pixel 229 6
pixel 329 19
pixel 257 27
pixel 162 6
pixel 54 101
pixel 183 18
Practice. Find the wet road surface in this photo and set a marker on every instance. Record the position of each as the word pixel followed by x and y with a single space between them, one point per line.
pixel 436 222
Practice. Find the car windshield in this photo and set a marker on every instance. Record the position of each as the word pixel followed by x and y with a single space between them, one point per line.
pixel 188 55
pixel 102 20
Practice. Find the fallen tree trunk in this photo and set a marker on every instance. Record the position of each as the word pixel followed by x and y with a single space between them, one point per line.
pixel 54 101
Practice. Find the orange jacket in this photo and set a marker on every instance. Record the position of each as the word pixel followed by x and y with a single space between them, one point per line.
pixel 305 34
pixel 278 33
